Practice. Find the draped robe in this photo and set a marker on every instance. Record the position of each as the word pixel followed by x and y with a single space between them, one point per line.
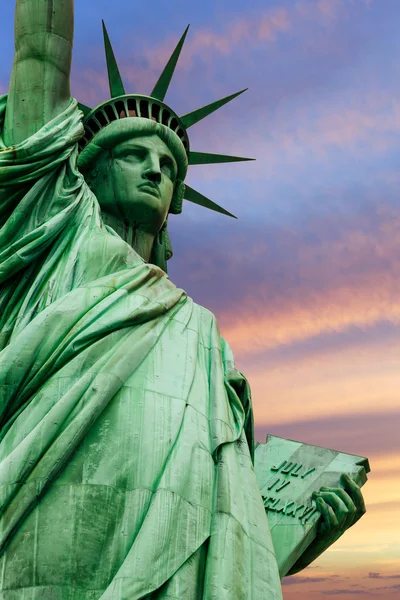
pixel 126 435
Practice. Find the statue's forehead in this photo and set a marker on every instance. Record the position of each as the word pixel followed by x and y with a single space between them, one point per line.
pixel 148 142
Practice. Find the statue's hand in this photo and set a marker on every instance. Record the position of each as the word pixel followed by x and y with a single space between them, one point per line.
pixel 340 509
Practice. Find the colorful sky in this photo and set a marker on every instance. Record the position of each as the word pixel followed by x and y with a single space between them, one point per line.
pixel 306 283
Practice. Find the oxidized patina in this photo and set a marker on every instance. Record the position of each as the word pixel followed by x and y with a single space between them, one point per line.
pixel 126 431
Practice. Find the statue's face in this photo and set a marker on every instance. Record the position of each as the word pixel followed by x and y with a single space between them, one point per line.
pixel 136 182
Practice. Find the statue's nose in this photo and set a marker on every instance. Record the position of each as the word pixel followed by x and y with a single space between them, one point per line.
pixel 154 176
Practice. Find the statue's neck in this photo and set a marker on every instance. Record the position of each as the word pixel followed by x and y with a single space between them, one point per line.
pixel 141 241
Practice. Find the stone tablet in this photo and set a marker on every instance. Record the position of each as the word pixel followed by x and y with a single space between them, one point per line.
pixel 288 472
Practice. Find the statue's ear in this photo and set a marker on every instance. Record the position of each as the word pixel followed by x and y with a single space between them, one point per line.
pixel 177 198
pixel 168 246
pixel 91 176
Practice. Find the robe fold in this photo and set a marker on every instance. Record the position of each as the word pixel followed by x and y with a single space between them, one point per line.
pixel 126 433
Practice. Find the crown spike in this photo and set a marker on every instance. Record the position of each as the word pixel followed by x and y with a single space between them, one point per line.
pixel 205 158
pixel 197 198
pixel 199 114
pixel 114 77
pixel 162 85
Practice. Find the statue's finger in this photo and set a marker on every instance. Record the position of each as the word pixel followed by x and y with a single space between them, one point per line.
pixel 355 493
pixel 328 514
pixel 348 502
pixel 338 505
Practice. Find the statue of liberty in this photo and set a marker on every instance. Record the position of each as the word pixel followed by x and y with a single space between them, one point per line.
pixel 126 439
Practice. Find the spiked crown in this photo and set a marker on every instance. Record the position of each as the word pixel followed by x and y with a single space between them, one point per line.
pixel 122 105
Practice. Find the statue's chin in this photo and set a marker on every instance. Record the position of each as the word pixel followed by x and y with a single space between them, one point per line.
pixel 145 212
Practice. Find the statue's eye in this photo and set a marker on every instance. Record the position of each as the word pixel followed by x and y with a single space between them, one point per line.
pixel 168 167
pixel 131 154
pixel 136 153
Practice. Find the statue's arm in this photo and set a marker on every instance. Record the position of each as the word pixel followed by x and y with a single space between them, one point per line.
pixel 40 78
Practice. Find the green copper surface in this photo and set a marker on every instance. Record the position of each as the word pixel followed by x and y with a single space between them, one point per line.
pixel 206 158
pixel 126 432
pixel 114 77
pixel 162 85
pixel 197 198
pixel 126 470
pixel 85 109
pixel 201 113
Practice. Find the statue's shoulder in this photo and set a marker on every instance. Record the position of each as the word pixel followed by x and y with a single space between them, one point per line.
pixel 195 313
pixel 206 316
pixel 207 324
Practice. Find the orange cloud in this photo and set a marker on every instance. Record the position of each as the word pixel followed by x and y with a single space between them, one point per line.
pixel 332 312
pixel 347 285
pixel 329 387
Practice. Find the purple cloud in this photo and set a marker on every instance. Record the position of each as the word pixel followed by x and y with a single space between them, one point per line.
pixel 375 575
pixel 364 434
pixel 345 591
pixel 294 580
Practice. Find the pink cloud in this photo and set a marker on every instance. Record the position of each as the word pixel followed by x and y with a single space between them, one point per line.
pixel 90 86
pixel 349 281
pixel 327 11
pixel 346 125
pixel 335 271
pixel 266 27
pixel 360 123
pixel 325 386
pixel 329 7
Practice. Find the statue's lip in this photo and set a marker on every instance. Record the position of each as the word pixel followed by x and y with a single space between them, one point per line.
pixel 149 187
